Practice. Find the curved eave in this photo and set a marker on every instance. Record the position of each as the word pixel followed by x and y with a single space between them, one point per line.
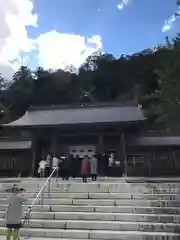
pixel 57 117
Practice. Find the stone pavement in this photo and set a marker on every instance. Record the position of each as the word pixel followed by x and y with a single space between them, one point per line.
pixel 27 238
pixel 114 209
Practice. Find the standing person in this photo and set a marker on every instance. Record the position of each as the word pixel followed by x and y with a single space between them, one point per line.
pixel 66 165
pixel 84 168
pixel 73 166
pixel 41 169
pixel 111 163
pixel 93 167
pixel 101 165
pixel 105 160
pixel 48 165
pixel 14 213
pixel 62 170
pixel 78 161
pixel 55 164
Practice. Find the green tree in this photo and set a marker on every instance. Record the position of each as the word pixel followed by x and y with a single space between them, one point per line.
pixel 18 96
pixel 100 78
pixel 168 104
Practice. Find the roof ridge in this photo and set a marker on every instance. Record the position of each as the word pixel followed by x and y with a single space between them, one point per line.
pixel 81 105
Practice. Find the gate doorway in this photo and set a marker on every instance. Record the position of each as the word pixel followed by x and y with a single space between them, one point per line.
pixel 82 150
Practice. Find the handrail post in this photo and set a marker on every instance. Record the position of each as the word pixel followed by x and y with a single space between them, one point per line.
pixel 49 187
pixel 42 198
pixel 39 195
pixel 57 174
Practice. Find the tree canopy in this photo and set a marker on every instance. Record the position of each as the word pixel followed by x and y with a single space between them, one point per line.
pixel 150 77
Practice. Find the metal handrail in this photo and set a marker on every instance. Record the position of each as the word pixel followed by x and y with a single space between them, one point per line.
pixel 40 193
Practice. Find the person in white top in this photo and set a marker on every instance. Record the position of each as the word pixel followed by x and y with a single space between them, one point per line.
pixel 41 169
pixel 55 164
pixel 111 159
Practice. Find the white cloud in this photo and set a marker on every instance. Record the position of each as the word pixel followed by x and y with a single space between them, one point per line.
pixel 57 50
pixel 14 17
pixel 53 49
pixel 122 4
pixel 168 23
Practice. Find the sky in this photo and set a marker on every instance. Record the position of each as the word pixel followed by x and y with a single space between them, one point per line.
pixel 57 33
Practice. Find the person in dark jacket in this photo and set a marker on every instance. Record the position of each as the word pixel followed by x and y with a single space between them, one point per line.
pixel 66 165
pixel 73 166
pixel 48 168
pixel 105 162
pixel 78 161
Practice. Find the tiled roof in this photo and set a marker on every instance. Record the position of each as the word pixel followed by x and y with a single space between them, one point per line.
pixel 79 115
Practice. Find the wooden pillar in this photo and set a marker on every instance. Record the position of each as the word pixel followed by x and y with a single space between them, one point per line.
pixel 124 155
pixel 100 145
pixel 34 147
pixel 54 145
pixel 119 150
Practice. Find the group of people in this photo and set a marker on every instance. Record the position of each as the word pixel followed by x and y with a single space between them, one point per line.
pixel 70 166
pixel 81 166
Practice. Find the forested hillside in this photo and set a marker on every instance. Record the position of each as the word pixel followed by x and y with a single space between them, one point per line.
pixel 152 75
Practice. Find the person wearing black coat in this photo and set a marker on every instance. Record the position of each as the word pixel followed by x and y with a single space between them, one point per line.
pixel 66 167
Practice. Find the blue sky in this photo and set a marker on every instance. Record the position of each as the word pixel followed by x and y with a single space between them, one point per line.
pixel 137 26
pixel 57 33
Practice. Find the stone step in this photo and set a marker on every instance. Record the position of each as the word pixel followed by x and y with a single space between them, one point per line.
pixel 102 225
pixel 102 209
pixel 95 189
pixel 39 208
pixel 136 180
pixel 72 183
pixel 120 184
pixel 105 216
pixel 109 190
pixel 104 202
pixel 83 195
pixel 103 187
pixel 96 234
pixel 79 179
pixel 108 178
pixel 123 237
pixel 101 196
pixel 128 217
pixel 116 209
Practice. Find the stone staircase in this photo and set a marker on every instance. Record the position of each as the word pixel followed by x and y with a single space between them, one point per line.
pixel 136 209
